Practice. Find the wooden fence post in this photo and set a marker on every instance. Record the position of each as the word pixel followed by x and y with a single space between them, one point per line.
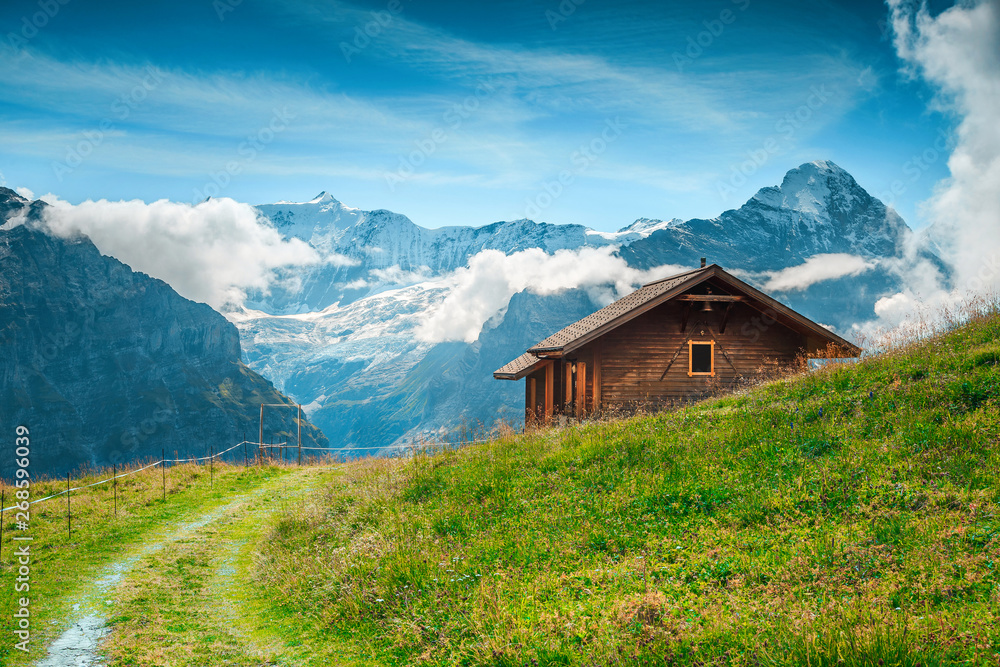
pixel 69 511
pixel 300 434
pixel 114 483
pixel 211 469
pixel 1 524
pixel 163 473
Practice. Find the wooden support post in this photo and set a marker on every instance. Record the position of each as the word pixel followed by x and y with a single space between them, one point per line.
pixel 260 440
pixel 531 411
pixel 725 317
pixel 568 387
pixel 685 316
pixel 581 389
pixel 163 473
pixel 114 483
pixel 300 434
pixel 596 382
pixel 69 511
pixel 550 381
pixel 1 524
pixel 211 469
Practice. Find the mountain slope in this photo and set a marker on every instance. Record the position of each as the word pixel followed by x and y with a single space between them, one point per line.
pixel 107 365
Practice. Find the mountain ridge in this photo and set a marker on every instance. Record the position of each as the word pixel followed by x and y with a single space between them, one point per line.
pixel 379 365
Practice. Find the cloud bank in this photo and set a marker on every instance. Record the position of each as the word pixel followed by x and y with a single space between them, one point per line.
pixel 483 289
pixel 816 269
pixel 956 53
pixel 211 252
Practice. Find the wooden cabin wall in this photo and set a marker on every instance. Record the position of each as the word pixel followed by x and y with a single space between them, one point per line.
pixel 634 356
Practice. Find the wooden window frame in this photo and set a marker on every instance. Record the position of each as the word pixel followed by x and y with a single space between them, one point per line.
pixel 691 344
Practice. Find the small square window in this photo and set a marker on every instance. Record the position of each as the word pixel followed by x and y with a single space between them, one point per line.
pixel 701 358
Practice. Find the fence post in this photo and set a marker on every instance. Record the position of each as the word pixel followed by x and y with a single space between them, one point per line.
pixel 300 434
pixel 114 483
pixel 2 491
pixel 69 511
pixel 163 472
pixel 211 469
pixel 260 439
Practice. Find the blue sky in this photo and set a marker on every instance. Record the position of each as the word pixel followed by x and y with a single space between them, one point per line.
pixel 461 113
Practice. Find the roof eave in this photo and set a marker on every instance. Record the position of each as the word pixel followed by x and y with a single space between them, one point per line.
pixel 545 350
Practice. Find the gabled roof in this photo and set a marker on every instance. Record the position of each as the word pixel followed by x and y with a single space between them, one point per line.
pixel 619 309
pixel 647 297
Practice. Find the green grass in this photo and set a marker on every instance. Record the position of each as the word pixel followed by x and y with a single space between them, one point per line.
pixel 847 516
pixel 62 566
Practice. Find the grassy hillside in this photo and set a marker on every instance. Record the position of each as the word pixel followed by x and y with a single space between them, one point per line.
pixel 843 517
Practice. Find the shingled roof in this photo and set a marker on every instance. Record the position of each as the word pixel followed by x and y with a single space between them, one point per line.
pixel 623 310
pixel 612 312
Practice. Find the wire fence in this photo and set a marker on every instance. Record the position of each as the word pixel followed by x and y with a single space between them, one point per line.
pixel 260 455
pixel 422 446
pixel 162 461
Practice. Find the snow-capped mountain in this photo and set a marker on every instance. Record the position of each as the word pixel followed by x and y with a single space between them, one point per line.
pixel 368 251
pixel 342 337
pixel 818 209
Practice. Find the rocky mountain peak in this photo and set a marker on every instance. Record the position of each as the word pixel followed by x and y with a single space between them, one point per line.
pixel 323 198
pixel 815 188
pixel 8 195
pixel 12 204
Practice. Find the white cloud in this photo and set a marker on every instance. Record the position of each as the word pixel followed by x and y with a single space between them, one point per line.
pixel 211 252
pixel 395 275
pixel 483 289
pixel 816 269
pixel 25 192
pixel 957 53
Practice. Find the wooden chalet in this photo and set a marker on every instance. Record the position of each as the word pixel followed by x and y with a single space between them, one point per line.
pixel 672 340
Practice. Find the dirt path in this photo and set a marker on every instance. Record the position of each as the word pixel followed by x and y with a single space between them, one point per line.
pixel 171 602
